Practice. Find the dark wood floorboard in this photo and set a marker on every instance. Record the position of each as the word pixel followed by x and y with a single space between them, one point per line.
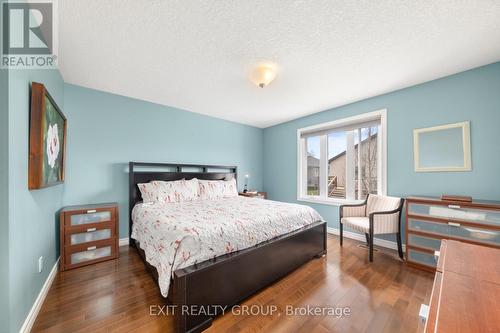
pixel 116 296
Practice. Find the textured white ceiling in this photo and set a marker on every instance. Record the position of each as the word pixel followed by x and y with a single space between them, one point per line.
pixel 196 55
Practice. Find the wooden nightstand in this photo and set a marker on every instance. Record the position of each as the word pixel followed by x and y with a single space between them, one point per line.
pixel 261 195
pixel 89 234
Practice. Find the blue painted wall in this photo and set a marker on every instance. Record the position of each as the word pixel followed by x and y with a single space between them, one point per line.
pixel 106 131
pixel 4 200
pixel 472 95
pixel 33 229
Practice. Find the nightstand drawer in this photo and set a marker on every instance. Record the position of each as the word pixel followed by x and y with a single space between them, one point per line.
pixel 89 255
pixel 79 255
pixel 91 235
pixel 91 216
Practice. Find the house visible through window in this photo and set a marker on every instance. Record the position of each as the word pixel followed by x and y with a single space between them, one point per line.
pixel 343 160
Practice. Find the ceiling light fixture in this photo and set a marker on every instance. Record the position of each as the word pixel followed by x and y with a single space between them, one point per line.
pixel 263 75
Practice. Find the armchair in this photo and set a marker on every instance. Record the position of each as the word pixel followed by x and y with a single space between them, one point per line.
pixel 376 215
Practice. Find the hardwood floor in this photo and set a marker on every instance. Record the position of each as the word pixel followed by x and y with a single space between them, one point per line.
pixel 116 296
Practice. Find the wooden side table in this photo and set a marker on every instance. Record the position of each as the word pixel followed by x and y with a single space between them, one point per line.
pixel 467 277
pixel 88 234
pixel 261 195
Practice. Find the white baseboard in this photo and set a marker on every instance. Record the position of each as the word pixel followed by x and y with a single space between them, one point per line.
pixel 123 242
pixel 30 319
pixel 359 237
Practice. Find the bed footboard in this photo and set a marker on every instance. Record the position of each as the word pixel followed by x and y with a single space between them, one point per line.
pixel 229 279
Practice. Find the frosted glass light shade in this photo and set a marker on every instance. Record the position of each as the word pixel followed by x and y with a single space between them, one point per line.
pixel 263 75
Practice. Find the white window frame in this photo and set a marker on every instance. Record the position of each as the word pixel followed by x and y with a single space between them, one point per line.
pixel 380 115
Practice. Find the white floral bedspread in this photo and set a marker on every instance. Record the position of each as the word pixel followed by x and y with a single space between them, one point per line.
pixel 179 234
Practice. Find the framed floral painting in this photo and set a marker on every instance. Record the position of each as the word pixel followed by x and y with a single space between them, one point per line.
pixel 47 140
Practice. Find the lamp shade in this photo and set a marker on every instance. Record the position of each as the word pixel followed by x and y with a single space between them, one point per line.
pixel 263 75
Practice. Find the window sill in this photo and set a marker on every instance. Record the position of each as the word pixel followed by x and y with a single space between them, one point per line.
pixel 331 202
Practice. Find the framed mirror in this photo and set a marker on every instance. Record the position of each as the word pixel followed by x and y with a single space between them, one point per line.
pixel 442 148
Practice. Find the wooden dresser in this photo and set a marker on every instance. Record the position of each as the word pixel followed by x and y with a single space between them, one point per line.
pixel 466 292
pixel 430 220
pixel 88 234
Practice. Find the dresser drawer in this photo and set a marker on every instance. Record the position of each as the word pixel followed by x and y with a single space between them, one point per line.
pixel 468 233
pixel 434 228
pixel 79 255
pixel 451 230
pixel 424 242
pixel 422 258
pixel 91 216
pixel 457 212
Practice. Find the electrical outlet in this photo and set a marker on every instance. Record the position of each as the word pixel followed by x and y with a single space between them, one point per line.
pixel 40 264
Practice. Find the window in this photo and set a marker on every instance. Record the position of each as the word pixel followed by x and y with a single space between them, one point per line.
pixel 337 164
pixel 313 165
pixel 344 160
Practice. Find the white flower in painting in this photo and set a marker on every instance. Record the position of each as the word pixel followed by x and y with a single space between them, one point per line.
pixel 52 145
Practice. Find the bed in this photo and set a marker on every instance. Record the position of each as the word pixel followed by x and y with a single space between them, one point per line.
pixel 230 248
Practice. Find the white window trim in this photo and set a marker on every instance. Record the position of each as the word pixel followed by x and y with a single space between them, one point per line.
pixel 302 167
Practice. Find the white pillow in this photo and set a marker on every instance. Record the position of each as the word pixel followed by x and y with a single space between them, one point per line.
pixel 149 192
pixel 217 189
pixel 170 191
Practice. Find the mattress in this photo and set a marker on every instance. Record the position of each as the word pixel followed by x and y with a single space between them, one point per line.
pixel 180 234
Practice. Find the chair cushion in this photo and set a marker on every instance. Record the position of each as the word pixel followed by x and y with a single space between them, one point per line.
pixel 357 223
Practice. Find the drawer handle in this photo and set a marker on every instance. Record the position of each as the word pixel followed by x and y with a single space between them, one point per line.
pixel 423 314
pixel 91 229
pixel 453 206
pixel 91 211
pixel 90 248
pixel 454 224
